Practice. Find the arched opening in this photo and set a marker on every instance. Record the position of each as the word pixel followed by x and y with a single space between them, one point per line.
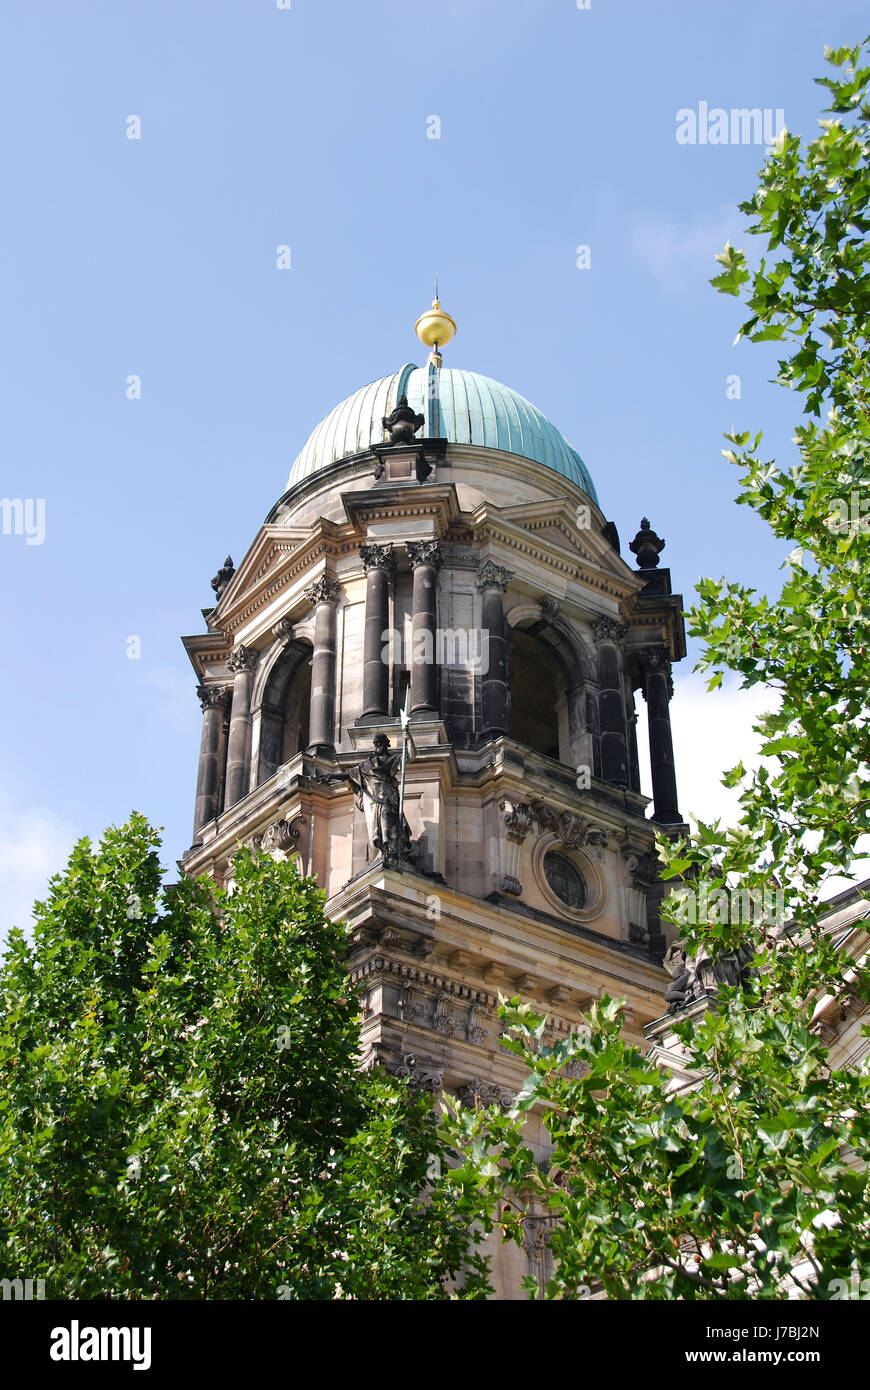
pixel 539 717
pixel 297 712
pixel 282 714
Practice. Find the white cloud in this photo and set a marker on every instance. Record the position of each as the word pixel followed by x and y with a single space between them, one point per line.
pixel 683 256
pixel 712 732
pixel 34 845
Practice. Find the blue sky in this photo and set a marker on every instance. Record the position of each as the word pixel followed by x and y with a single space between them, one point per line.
pixel 307 127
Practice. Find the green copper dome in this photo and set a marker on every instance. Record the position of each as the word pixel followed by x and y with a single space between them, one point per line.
pixel 460 406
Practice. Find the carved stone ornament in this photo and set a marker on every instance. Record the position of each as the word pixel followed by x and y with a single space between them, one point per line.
pixel 518 822
pixel 479 1095
pixel 283 836
pixel 536 1235
pixel 283 630
pixel 550 608
pixel 444 1022
pixel 609 630
pixel 377 557
pixel 212 696
pixel 575 1070
pixel 323 590
pixel 490 575
pixel 419 1074
pixel 647 546
pixel 409 1007
pixel 476 1032
pixel 641 864
pixel 402 423
pixel 425 553
pixel 222 579
pixel 242 659
pixel 598 836
pixel 570 831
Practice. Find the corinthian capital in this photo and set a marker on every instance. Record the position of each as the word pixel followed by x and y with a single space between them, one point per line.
pixel 655 661
pixel 609 630
pixel 211 696
pixel 492 576
pixel 323 590
pixel 425 553
pixel 377 557
pixel 242 659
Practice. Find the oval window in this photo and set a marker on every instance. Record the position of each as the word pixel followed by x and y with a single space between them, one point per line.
pixel 565 879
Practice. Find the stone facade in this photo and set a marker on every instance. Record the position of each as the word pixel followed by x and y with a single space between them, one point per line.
pixel 486 593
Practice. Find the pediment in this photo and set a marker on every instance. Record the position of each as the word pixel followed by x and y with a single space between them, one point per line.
pixel 277 554
pixel 566 529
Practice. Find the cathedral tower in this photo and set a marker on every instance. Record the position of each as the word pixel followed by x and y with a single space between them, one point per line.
pixel 440 549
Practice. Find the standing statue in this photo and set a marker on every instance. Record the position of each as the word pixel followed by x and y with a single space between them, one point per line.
pixel 697 975
pixel 375 785
pixel 684 981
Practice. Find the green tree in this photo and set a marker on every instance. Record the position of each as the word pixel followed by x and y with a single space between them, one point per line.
pixel 182 1113
pixel 761 1169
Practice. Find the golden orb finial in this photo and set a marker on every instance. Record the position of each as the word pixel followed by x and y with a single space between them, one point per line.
pixel 435 328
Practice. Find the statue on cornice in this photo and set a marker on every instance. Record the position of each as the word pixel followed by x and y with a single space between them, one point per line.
pixel 695 974
pixel 222 578
pixel 375 785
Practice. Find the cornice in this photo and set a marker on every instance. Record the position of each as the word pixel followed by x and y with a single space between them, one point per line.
pixel 375 894
pixel 396 501
pixel 207 649
pixel 277 558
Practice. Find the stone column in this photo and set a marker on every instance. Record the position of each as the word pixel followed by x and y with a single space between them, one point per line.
pixel 657 691
pixel 580 735
pixel 323 595
pixel 426 560
pixel 378 563
pixel 609 636
pixel 492 580
pixel 631 729
pixel 241 662
pixel 213 699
